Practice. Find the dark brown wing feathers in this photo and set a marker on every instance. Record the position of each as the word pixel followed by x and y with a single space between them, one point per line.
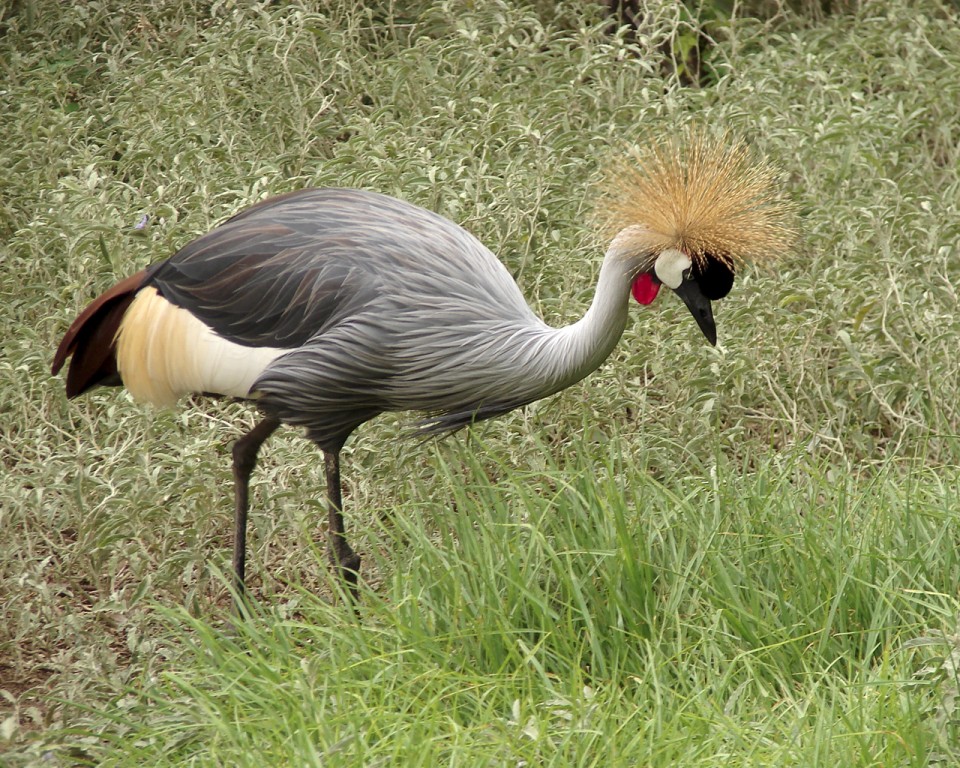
pixel 90 339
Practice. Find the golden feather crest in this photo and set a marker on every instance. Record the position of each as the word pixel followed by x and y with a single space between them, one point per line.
pixel 699 194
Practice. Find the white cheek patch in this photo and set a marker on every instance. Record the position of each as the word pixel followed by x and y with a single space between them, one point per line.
pixel 670 266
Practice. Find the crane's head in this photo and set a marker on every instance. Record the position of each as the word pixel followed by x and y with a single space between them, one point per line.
pixel 686 212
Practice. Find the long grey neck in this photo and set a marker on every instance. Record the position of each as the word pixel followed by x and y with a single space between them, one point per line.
pixel 570 353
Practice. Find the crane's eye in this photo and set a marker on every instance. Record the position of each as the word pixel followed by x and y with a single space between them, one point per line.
pixel 714 276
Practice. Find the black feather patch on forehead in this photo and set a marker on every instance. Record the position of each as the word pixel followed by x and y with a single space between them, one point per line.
pixel 714 276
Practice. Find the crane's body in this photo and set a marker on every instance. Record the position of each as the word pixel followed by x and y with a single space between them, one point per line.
pixel 326 307
pixel 327 321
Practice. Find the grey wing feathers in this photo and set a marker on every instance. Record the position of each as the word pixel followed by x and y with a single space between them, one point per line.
pixel 385 306
pixel 275 275
pixel 450 421
pixel 291 267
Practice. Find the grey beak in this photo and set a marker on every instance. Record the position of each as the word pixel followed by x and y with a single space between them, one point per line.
pixel 699 306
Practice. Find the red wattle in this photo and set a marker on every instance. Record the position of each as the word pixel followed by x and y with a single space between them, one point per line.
pixel 645 288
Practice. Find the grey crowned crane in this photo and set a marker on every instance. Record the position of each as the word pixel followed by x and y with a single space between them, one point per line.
pixel 326 307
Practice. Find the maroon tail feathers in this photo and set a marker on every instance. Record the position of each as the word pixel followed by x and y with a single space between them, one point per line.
pixel 91 339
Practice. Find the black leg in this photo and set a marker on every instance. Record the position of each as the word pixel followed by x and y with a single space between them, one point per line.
pixel 344 560
pixel 244 460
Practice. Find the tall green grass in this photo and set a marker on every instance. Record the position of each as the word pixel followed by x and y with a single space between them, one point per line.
pixel 741 555
pixel 586 616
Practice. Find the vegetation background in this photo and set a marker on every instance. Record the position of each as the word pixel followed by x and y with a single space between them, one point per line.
pixel 740 556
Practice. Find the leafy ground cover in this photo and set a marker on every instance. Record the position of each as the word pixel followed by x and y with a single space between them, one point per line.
pixel 740 556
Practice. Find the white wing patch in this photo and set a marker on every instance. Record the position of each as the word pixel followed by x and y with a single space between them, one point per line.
pixel 164 353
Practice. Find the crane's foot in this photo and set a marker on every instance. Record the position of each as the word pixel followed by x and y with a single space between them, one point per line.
pixel 346 566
